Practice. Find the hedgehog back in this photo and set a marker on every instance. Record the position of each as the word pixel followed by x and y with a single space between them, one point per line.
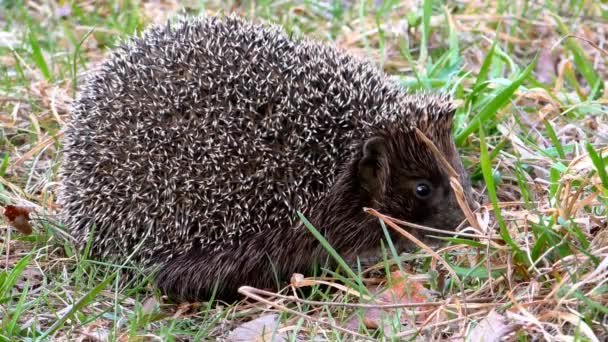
pixel 203 132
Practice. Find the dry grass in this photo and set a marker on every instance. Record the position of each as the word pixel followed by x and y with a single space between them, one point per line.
pixel 534 259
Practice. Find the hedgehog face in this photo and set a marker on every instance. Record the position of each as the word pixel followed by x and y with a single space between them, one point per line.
pixel 404 179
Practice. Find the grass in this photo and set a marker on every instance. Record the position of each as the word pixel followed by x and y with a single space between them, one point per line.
pixel 529 79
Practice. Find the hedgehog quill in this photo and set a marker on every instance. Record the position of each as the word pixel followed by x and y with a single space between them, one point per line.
pixel 200 140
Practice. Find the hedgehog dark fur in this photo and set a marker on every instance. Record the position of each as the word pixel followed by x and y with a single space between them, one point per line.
pixel 194 146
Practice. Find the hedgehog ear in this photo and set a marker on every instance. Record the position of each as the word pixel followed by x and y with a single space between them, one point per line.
pixel 373 166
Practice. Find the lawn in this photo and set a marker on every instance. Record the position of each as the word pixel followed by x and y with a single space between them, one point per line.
pixel 531 125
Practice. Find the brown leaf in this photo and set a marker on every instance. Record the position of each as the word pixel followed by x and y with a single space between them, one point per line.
pixel 19 218
pixel 403 291
pixel 185 309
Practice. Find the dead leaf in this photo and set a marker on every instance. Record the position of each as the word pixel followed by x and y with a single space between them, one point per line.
pixel 490 329
pixel 403 291
pixel 185 309
pixel 19 218
pixel 260 329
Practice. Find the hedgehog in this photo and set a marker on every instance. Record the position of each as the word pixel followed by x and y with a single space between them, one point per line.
pixel 191 150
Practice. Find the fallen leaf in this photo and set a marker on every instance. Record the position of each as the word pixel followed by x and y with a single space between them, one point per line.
pixel 19 218
pixel 260 329
pixel 185 309
pixel 403 291
pixel 490 329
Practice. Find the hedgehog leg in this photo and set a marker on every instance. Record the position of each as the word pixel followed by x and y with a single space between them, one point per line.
pixel 197 275
pixel 192 277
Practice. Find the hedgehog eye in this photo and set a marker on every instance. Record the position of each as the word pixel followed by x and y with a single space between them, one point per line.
pixel 423 190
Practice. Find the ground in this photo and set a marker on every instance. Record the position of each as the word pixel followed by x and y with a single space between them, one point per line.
pixel 529 81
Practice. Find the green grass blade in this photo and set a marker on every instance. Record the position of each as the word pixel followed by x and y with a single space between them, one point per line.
pixel 485 67
pixel 454 46
pixel 486 169
pixel 583 64
pixel 20 308
pixel 79 305
pixel 478 271
pixel 391 246
pixel 554 140
pixel 4 165
pixel 493 106
pixel 554 176
pixel 593 304
pixel 332 251
pixel 11 279
pixel 461 241
pixel 39 57
pixel 522 183
pixel 599 164
pixel 75 58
